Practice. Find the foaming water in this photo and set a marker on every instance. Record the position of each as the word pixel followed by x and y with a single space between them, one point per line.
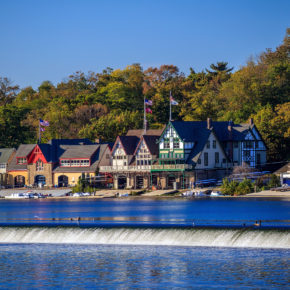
pixel 206 237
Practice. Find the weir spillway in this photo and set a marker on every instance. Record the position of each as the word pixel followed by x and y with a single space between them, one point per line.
pixel 194 237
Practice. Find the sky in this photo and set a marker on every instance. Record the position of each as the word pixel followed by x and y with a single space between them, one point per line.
pixel 51 39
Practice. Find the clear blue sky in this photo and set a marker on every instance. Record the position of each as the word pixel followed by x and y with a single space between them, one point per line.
pixel 50 39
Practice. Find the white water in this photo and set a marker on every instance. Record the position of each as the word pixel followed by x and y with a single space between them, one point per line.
pixel 168 237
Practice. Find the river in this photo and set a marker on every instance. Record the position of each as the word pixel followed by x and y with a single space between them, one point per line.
pixel 145 243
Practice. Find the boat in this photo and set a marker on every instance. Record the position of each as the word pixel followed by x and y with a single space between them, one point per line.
pixel 19 195
pixel 200 193
pixel 187 193
pixel 216 193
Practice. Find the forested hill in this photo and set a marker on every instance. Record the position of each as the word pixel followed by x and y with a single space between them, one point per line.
pixel 104 105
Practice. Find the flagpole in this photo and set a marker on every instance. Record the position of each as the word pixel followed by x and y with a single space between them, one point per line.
pixel 39 140
pixel 144 117
pixel 170 107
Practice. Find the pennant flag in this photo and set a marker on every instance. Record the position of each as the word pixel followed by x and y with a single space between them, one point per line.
pixel 148 102
pixel 43 123
pixel 148 110
pixel 173 102
pixel 42 129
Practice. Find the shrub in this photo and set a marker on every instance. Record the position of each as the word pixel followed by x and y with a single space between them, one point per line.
pixel 274 181
pixel 244 187
pixel 235 188
pixel 229 188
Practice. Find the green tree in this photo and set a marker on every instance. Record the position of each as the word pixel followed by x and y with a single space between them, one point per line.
pixel 8 91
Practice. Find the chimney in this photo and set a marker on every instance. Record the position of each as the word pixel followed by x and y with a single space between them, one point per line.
pixel 209 126
pixel 98 140
pixel 251 121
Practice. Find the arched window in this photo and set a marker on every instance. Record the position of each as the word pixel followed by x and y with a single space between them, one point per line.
pixel 39 165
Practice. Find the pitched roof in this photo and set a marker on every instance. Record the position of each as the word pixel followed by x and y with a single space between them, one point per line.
pixel 78 151
pixel 151 142
pixel 140 132
pixel 95 160
pixel 46 151
pixel 22 151
pixel 5 154
pixel 188 130
pixel 129 143
pixel 201 139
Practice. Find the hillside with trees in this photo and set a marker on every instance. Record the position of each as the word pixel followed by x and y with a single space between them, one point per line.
pixel 106 104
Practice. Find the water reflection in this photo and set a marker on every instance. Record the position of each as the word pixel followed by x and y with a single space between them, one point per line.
pixel 46 266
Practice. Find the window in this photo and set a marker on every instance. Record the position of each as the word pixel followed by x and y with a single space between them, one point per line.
pixel 21 160
pixel 205 159
pixel 85 162
pixel 65 162
pixel 208 144
pixel 236 144
pixel 39 165
pixel 75 163
pixel 224 160
pixel 107 156
pixel 199 161
pixel 214 144
pixel 2 165
pixel 176 143
pixel 217 157
pixel 166 145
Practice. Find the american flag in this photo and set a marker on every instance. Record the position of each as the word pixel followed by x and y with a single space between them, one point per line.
pixel 172 101
pixel 148 110
pixel 43 123
pixel 148 102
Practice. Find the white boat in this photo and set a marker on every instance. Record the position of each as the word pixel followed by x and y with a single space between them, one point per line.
pixel 122 194
pixel 77 194
pixel 19 196
pixel 188 193
pixel 216 193
pixel 199 193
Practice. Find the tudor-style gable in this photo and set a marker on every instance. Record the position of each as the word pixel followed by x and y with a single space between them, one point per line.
pixel 119 155
pixel 211 155
pixel 36 155
pixel 171 145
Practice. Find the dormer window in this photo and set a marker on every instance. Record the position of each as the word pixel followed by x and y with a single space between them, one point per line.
pixel 74 162
pixel 21 160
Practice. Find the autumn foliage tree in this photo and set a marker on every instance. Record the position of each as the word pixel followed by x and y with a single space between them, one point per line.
pixel 108 103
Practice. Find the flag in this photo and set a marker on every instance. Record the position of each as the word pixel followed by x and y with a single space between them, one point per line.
pixel 43 123
pixel 148 110
pixel 42 129
pixel 148 102
pixel 173 102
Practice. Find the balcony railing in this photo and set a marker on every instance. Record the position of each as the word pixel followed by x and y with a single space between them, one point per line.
pixel 116 168
pixel 171 167
pixel 145 168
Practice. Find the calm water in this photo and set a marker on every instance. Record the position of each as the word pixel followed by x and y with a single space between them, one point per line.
pixel 33 255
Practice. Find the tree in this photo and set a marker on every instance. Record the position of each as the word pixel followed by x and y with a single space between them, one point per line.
pixel 108 127
pixel 12 130
pixel 7 91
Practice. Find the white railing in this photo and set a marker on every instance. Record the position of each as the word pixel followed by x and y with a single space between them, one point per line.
pixel 171 166
pixel 144 168
pixel 120 168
